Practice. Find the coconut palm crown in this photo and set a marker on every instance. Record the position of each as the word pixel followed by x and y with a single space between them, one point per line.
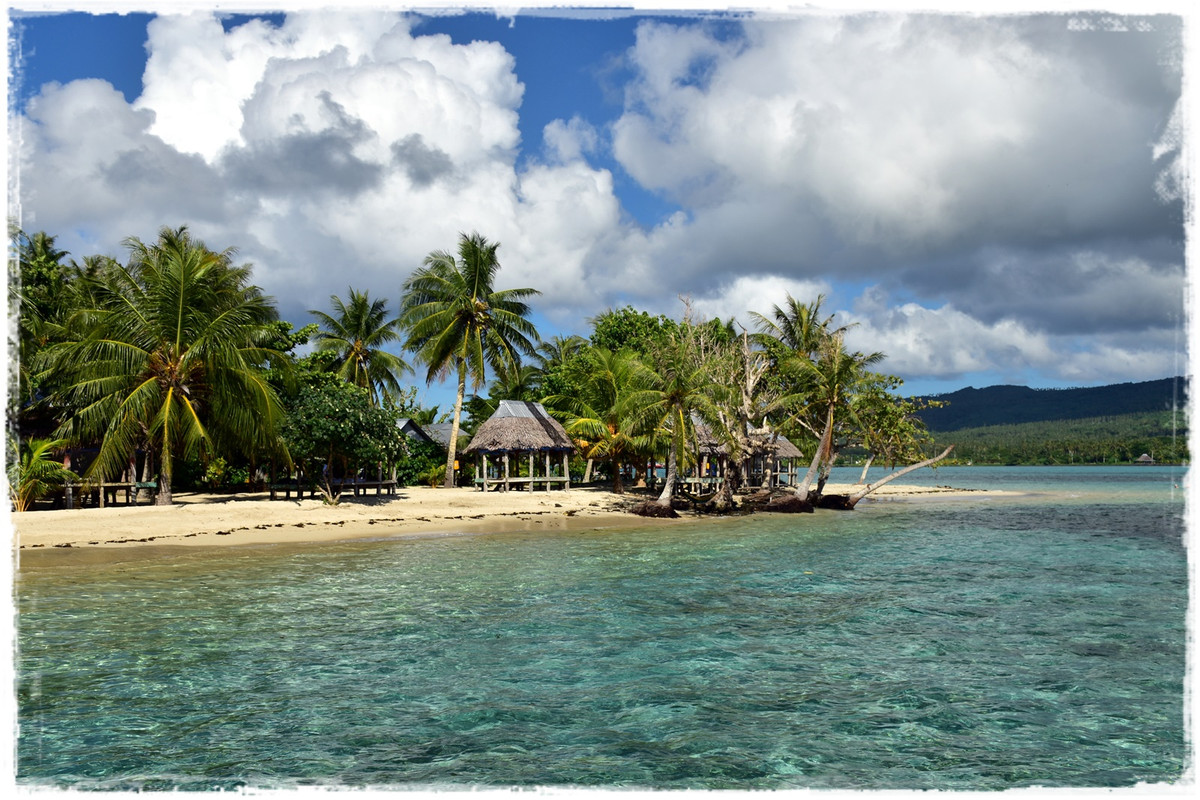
pixel 459 323
pixel 170 358
pixel 357 332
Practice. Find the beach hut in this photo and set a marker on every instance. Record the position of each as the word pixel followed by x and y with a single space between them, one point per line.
pixel 774 461
pixel 414 431
pixel 771 462
pixel 520 430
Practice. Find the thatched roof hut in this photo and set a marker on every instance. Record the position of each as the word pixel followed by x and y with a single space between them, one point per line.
pixel 520 427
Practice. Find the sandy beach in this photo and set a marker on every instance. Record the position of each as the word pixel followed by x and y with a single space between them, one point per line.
pixel 255 519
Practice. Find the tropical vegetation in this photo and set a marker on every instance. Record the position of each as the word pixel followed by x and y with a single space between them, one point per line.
pixel 459 324
pixel 171 368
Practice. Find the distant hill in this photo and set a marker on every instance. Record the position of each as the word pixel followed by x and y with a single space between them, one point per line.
pixel 1013 405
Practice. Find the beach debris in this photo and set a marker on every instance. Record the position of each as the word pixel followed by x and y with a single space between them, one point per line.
pixel 653 509
pixel 789 504
pixel 839 502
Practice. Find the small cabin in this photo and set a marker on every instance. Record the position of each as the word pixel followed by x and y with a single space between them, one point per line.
pixel 521 434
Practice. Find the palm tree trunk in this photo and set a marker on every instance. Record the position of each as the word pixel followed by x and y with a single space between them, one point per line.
pixel 163 497
pixel 453 444
pixel 802 489
pixel 618 487
pixel 861 493
pixel 668 491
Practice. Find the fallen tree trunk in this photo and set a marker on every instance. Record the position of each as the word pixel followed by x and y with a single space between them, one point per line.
pixel 861 493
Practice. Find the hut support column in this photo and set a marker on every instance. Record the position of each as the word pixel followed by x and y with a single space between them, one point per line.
pixel 547 470
pixel 506 470
pixel 531 486
pixel 566 471
pixel 485 471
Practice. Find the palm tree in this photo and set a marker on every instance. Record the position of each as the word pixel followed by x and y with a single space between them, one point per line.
pixel 798 327
pixel 600 415
pixel 458 323
pixel 35 472
pixel 679 388
pixel 837 374
pixel 171 357
pixel 356 332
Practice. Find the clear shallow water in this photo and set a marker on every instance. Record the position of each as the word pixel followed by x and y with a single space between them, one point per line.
pixel 959 644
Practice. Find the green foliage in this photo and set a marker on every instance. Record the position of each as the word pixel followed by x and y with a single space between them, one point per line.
pixel 458 323
pixel 1011 405
pixel 35 472
pixel 335 423
pixel 357 332
pixel 1118 439
pixel 214 473
pixel 423 460
pixel 169 353
pixel 628 328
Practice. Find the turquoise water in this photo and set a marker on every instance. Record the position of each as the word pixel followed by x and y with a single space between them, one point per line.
pixel 956 644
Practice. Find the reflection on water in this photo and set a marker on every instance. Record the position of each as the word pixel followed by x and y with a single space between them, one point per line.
pixel 948 645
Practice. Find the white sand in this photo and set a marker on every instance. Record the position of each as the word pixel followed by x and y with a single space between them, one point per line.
pixel 208 519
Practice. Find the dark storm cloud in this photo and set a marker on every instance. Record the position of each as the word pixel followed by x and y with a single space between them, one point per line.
pixel 423 164
pixel 161 177
pixel 307 161
pixel 1008 166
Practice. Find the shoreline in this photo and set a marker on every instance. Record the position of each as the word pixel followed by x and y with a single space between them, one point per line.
pixel 214 520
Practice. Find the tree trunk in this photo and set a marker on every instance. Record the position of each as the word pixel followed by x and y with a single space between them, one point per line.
pixel 802 489
pixel 826 468
pixel 587 473
pixel 733 481
pixel 453 444
pixel 668 491
pixel 860 494
pixel 863 478
pixel 615 466
pixel 163 497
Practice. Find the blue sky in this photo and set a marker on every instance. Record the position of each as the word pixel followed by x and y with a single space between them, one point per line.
pixel 989 199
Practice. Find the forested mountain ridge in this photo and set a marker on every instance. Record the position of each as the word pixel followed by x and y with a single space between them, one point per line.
pixel 1014 405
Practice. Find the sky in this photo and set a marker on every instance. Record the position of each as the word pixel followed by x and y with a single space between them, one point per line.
pixel 987 198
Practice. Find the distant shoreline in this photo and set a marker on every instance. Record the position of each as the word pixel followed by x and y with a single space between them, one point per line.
pixel 199 520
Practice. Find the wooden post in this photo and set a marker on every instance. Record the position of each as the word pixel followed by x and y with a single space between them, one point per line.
pixel 547 470
pixel 566 470
pixel 485 472
pixel 531 471
pixel 506 470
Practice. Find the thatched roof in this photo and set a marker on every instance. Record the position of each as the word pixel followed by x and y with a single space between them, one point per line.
pixel 517 426
pixel 783 447
pixel 760 444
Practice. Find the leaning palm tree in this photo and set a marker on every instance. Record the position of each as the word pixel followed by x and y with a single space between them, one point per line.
pixel 356 332
pixel 458 323
pixel 837 375
pixel 171 357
